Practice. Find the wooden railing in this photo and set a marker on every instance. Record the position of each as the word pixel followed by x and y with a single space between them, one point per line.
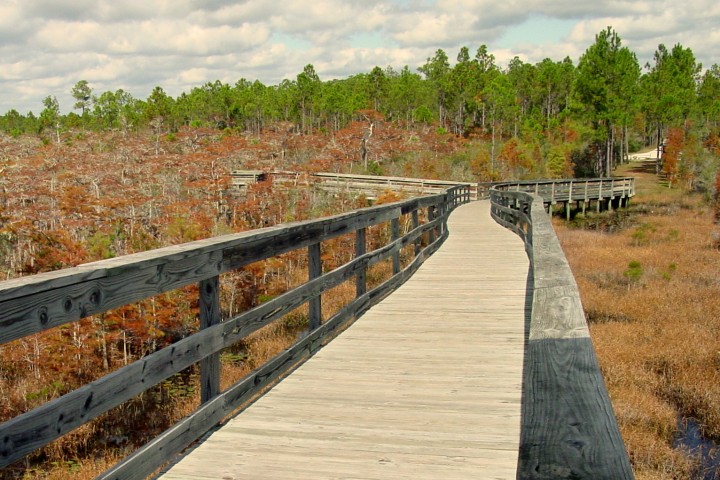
pixel 607 193
pixel 34 304
pixel 568 428
pixel 368 185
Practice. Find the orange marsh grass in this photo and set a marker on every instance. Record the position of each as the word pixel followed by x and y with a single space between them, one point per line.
pixel 651 293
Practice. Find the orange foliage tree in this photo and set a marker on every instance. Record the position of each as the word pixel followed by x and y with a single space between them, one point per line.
pixel 672 153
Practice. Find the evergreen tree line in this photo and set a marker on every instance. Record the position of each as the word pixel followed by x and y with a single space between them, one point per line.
pixel 606 97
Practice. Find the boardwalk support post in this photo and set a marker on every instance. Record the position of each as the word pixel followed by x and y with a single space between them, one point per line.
pixel 209 316
pixel 431 216
pixel 416 224
pixel 360 250
pixel 314 271
pixel 394 235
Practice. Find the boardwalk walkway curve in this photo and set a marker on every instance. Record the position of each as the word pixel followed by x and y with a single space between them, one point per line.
pixel 426 385
pixel 33 304
pixel 572 450
pixel 568 430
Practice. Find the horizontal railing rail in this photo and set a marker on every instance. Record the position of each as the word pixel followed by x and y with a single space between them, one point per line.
pixel 29 305
pixel 568 428
pixel 574 189
pixel 369 185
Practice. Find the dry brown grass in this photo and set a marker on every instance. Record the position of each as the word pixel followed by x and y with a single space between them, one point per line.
pixel 650 291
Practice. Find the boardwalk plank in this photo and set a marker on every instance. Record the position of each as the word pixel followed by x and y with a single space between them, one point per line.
pixel 426 385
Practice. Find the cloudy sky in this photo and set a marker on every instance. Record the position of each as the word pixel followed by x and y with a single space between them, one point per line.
pixel 46 46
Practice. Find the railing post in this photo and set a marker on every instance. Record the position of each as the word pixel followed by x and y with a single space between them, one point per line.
pixel 314 271
pixel 570 198
pixel 442 229
pixel 394 235
pixel 209 315
pixel 360 250
pixel 416 224
pixel 431 218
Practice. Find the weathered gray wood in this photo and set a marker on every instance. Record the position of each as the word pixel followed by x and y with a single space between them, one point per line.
pixel 32 304
pixel 394 235
pixel 568 429
pixel 209 305
pixel 574 190
pixel 388 180
pixel 360 250
pixel 52 306
pixel 27 432
pixel 425 386
pixel 432 215
pixel 35 303
pixel 314 271
pixel 416 224
pixel 371 185
pixel 307 233
pixel 164 447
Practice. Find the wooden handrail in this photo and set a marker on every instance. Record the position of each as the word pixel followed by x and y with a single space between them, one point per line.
pixel 37 303
pixel 573 189
pixel 568 428
pixel 366 184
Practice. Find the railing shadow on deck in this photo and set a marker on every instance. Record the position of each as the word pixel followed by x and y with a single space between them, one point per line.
pixel 34 304
pixel 568 427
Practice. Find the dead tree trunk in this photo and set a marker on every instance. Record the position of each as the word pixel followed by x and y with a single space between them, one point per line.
pixel 364 152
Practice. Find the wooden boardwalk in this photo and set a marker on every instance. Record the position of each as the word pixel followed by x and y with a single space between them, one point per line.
pixel 426 385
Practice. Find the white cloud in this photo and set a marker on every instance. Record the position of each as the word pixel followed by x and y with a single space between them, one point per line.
pixel 46 46
pixel 14 27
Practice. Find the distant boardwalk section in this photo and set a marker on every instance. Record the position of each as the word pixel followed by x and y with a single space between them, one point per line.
pixel 426 385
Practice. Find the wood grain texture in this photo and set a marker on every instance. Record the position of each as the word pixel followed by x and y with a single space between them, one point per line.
pixel 394 235
pixel 171 442
pixel 314 271
pixel 209 311
pixel 34 304
pixel 37 303
pixel 569 430
pixel 425 385
pixel 360 250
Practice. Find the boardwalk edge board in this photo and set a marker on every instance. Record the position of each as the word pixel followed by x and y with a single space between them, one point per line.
pixel 568 427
